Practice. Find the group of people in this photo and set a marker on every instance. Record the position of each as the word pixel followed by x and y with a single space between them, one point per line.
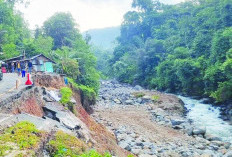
pixel 21 67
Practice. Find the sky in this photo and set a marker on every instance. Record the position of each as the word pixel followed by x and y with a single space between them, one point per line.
pixel 89 14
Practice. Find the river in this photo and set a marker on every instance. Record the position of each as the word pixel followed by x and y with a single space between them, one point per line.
pixel 208 116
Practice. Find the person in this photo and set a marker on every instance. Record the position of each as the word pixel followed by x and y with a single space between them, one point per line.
pixel 18 67
pixel 23 69
pixel 12 67
pixel 29 66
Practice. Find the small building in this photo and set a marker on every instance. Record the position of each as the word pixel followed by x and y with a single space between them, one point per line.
pixel 40 62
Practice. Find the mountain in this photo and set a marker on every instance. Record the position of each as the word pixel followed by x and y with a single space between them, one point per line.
pixel 104 37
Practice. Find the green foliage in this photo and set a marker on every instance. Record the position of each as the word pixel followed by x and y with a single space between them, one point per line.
pixel 4 149
pixel 65 145
pixel 155 98
pixel 93 153
pixel 177 48
pixel 138 94
pixel 66 95
pixel 62 28
pixel 87 91
pixel 24 134
pixel 224 92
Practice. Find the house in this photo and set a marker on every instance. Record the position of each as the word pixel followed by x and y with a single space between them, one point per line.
pixel 40 62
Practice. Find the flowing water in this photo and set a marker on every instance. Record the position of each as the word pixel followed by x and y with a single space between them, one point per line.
pixel 208 116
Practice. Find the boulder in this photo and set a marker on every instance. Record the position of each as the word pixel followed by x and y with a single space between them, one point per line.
pixel 199 131
pixel 137 87
pixel 177 122
pixel 228 154
pixel 129 102
pixel 125 146
pixel 212 137
pixel 117 101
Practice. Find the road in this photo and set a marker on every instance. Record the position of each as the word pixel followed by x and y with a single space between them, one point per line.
pixel 8 84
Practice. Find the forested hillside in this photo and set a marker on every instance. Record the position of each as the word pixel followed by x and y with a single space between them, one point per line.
pixel 58 39
pixel 184 48
pixel 104 38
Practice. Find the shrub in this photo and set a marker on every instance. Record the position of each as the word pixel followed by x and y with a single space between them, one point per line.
pixel 155 98
pixel 66 145
pixel 66 95
pixel 93 153
pixel 87 91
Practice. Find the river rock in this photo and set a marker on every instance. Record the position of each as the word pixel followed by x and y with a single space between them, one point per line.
pixel 177 122
pixel 212 137
pixel 117 101
pixel 228 154
pixel 199 131
pixel 125 146
pixel 137 87
pixel 129 102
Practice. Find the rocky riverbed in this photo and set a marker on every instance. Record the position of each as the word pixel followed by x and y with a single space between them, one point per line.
pixel 150 123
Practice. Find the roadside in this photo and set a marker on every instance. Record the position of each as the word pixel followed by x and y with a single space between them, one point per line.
pixel 8 84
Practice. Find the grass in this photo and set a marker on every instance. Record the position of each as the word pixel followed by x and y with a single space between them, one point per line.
pixel 24 134
pixel 155 98
pixel 4 149
pixel 139 94
pixel 66 95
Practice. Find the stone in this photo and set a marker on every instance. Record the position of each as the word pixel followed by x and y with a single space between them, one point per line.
pixel 189 131
pixel 178 127
pixel 137 87
pixel 129 102
pixel 125 146
pixel 199 131
pixel 146 98
pixel 177 121
pixel 228 154
pixel 136 151
pixel 211 137
pixel 227 145
pixel 117 101
pixel 139 100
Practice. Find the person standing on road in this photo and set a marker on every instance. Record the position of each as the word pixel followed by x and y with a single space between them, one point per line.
pixel 29 66
pixel 18 68
pixel 12 67
pixel 23 69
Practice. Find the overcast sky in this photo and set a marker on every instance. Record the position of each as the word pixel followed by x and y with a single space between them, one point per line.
pixel 89 14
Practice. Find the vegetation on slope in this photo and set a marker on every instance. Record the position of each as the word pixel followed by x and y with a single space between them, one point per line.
pixel 183 48
pixel 23 136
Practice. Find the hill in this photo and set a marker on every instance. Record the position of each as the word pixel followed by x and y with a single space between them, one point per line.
pixel 104 37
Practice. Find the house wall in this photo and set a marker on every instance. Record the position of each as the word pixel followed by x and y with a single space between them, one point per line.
pixel 42 64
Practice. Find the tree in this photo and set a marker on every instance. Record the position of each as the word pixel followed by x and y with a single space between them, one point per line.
pixel 62 28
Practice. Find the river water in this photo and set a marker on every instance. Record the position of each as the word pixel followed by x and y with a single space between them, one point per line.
pixel 208 116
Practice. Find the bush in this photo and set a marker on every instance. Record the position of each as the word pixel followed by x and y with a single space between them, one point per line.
pixel 66 95
pixel 93 153
pixel 224 92
pixel 66 145
pixel 87 91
